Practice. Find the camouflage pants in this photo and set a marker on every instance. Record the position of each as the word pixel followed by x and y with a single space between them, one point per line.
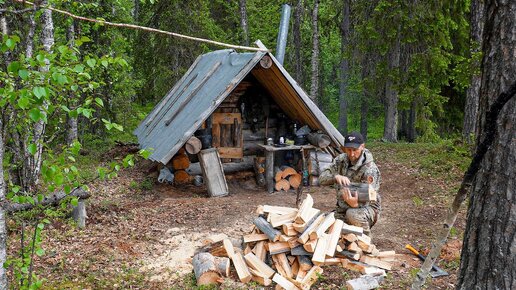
pixel 362 217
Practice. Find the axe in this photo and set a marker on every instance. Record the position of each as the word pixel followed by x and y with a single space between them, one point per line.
pixel 436 271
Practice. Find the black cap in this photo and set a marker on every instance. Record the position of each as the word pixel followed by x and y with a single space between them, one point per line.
pixel 353 140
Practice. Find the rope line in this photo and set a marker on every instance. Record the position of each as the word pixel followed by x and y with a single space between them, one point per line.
pixel 138 27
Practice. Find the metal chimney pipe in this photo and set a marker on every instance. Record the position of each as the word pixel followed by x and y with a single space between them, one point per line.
pixel 281 43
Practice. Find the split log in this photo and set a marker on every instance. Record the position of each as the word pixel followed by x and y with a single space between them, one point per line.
pixel 193 145
pixel 334 237
pixel 180 162
pixel 311 277
pixel 288 229
pixel 320 250
pixel 349 237
pixel 303 238
pixel 376 262
pixel 255 238
pixel 259 250
pixel 295 180
pixel 280 220
pixel 283 282
pixel 278 176
pixel 267 229
pixel 282 184
pixel 241 268
pixel 278 248
pixel 284 264
pixel 278 209
pixel 260 278
pixel 332 261
pixel 346 229
pixel 305 263
pixel 287 171
pixel 216 249
pixel 348 255
pixel 181 177
pixel 257 264
pixel 305 209
pixel 300 275
pixel 205 268
pixel 365 191
pixel 299 251
pixel 310 246
pixel 325 224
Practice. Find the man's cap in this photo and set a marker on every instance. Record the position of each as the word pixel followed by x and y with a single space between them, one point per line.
pixel 353 140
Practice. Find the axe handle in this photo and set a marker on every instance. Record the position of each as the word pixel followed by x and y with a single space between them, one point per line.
pixel 421 257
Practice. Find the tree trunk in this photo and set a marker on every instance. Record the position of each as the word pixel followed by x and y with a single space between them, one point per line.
pixel 411 124
pixel 471 107
pixel 344 68
pixel 243 21
pixel 390 129
pixel 488 259
pixel 29 40
pixel 364 110
pixel 32 167
pixel 314 87
pixel 298 61
pixel 71 122
pixel 3 228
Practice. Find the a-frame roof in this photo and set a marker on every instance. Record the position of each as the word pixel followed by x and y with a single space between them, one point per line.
pixel 206 84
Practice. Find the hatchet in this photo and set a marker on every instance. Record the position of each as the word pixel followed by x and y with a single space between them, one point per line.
pixel 436 271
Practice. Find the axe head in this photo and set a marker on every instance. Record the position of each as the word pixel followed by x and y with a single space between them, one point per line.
pixel 438 273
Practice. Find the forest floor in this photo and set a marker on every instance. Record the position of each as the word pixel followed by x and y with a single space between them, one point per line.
pixel 141 234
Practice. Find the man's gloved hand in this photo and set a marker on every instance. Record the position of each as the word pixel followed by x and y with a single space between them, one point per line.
pixel 342 180
pixel 351 198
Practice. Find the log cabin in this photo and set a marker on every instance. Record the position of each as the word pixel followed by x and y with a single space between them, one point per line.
pixel 233 102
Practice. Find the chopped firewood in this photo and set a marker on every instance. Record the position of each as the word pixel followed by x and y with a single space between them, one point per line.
pixel 334 233
pixel 247 249
pixel 311 277
pixel 303 238
pixel 353 265
pixel 385 254
pixel 278 176
pixel 259 278
pixel 349 237
pixel 352 229
pixel 293 242
pixel 329 219
pixel 288 229
pixel 228 246
pixel 364 243
pixel 255 238
pixel 301 274
pixel 288 171
pixel 278 247
pixel 305 263
pixel 267 229
pixel 376 262
pixel 277 265
pixel 291 259
pixel 347 254
pixel 284 238
pixel 299 251
pixel 257 264
pixel 259 250
pixel 299 227
pixel 294 267
pixel 353 247
pixel 241 268
pixel 332 261
pixel 283 282
pixel 295 180
pixel 283 261
pixel 215 248
pixel 365 282
pixel 278 209
pixel 374 271
pixel 320 250
pixel 282 184
pixel 303 215
pixel 310 246
pixel 181 177
pixel 279 220
pixel 180 162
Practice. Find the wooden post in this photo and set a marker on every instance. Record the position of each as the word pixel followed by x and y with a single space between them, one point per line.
pixel 269 170
pixel 79 214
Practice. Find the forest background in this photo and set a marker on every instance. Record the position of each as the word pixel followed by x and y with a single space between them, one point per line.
pixel 394 70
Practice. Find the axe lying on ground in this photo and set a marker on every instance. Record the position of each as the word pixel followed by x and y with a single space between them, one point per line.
pixel 436 271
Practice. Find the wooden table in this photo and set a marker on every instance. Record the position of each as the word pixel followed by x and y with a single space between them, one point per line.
pixel 269 160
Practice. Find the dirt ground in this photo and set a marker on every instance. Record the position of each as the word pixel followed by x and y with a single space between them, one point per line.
pixel 142 235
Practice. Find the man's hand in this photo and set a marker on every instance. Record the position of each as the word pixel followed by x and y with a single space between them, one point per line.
pixel 350 198
pixel 342 180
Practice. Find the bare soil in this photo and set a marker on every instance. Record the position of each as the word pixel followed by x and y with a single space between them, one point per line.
pixel 142 235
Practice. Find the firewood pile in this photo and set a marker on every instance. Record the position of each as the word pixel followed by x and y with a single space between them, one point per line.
pixel 288 246
pixel 287 177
